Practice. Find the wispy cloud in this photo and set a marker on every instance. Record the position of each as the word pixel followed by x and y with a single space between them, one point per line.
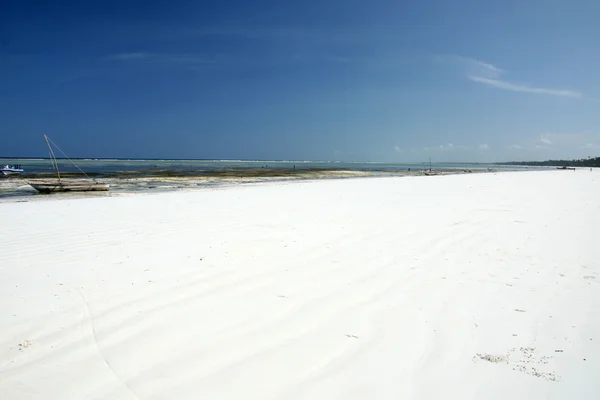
pixel 128 56
pixel 290 34
pixel 544 138
pixel 484 147
pixel 523 88
pixel 489 68
pixel 452 146
pixel 561 143
pixel 161 58
pixel 491 75
pixel 337 59
pixel 581 139
pixel 449 147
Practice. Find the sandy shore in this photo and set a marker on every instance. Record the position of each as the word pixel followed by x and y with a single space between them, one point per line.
pixel 482 286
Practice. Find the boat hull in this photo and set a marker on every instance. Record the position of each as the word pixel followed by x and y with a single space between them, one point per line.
pixel 47 188
pixel 9 172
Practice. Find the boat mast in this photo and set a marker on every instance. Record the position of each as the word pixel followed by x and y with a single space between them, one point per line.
pixel 53 157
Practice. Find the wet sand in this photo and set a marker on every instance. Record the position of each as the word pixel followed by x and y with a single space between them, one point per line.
pixel 129 183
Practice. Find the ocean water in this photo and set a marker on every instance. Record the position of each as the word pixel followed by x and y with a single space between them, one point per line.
pixel 135 176
pixel 112 166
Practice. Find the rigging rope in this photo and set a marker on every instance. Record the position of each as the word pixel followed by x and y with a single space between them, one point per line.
pixel 72 162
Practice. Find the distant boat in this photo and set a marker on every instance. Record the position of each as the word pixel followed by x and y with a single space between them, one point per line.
pixel 8 170
pixel 62 185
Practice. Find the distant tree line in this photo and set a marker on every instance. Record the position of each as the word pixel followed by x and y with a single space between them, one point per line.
pixel 584 162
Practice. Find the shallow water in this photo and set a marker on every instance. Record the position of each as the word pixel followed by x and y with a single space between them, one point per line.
pixel 16 188
pixel 138 176
pixel 106 166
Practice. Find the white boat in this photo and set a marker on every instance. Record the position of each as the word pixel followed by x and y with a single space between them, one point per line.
pixel 61 185
pixel 8 170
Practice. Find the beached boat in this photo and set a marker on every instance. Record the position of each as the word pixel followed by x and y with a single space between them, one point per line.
pixel 47 188
pixel 8 170
pixel 60 185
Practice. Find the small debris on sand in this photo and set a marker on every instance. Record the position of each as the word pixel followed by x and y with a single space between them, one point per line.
pixel 503 358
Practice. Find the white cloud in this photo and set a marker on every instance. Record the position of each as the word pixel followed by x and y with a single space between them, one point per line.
pixel 484 147
pixel 448 146
pixel 516 147
pixel 545 139
pixel 480 68
pixel 567 139
pixel 489 69
pixel 524 88
pixel 488 74
pixel 397 149
pixel 472 66
pixel 451 147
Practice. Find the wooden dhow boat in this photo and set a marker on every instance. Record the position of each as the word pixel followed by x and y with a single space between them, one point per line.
pixel 61 185
pixel 65 186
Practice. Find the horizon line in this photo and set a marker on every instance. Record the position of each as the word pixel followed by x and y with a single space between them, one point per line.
pixel 288 161
pixel 242 160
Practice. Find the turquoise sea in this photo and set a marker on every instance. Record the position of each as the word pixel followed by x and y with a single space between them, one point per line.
pixel 134 176
pixel 112 166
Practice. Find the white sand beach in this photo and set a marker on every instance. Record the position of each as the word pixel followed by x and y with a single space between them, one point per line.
pixel 482 286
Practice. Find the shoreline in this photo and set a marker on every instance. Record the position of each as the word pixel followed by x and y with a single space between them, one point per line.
pixel 131 183
pixel 247 172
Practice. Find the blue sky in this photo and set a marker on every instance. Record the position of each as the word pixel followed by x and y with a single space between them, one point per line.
pixel 375 80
